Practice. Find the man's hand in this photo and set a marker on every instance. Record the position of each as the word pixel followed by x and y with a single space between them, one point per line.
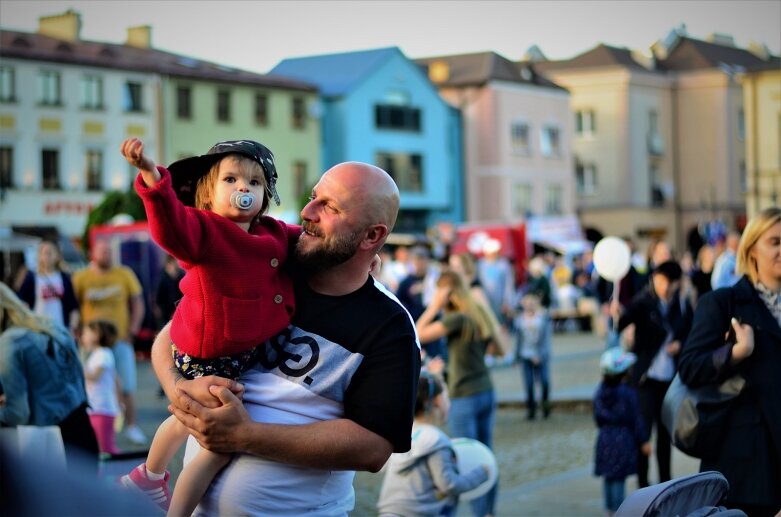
pixel 199 390
pixel 217 429
pixel 673 348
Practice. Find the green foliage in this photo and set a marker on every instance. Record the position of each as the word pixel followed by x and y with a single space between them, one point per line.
pixel 114 203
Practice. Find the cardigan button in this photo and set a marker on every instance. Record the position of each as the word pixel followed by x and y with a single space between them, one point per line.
pixel 278 298
pixel 274 262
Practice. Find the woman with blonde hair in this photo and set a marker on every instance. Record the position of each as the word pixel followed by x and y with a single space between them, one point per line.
pixel 49 290
pixel 466 327
pixel 42 379
pixel 749 455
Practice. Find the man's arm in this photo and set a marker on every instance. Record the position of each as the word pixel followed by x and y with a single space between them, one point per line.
pixel 136 314
pixel 333 445
pixel 330 445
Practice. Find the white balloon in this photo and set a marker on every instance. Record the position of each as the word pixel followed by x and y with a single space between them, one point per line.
pixel 612 258
pixel 470 454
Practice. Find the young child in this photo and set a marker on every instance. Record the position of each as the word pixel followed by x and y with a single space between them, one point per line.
pixel 235 295
pixel 102 383
pixel 425 480
pixel 621 430
pixel 533 325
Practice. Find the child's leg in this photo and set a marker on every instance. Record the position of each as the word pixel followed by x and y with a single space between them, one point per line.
pixel 168 438
pixel 104 432
pixel 194 480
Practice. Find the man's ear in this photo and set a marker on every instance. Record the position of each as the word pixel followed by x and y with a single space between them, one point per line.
pixel 375 234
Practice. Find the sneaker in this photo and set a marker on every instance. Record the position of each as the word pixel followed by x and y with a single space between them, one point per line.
pixel 135 435
pixel 157 490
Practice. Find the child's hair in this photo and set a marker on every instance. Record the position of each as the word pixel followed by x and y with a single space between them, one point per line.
pixel 205 186
pixel 106 331
pixel 429 386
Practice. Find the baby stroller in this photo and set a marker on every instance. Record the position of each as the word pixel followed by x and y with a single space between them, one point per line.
pixel 697 495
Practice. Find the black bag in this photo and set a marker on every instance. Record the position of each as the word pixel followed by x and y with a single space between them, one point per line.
pixel 696 418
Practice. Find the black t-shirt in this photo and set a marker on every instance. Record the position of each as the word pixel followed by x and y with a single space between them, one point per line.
pixel 357 351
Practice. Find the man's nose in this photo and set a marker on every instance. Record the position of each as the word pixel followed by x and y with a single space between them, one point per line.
pixel 308 212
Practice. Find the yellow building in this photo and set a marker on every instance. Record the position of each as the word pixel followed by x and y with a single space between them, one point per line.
pixel 762 107
pixel 660 140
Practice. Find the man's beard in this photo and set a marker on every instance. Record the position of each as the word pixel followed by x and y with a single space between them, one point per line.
pixel 327 254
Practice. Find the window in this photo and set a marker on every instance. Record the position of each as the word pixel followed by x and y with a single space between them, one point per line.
pixel 553 198
pixel 522 199
pixel 585 122
pixel 550 144
pixel 299 113
pixel 261 109
pixel 94 169
pixel 183 102
pixel 405 118
pixel 133 100
pixel 6 167
pixel 299 180
pixel 405 169
pixel 519 136
pixel 742 179
pixel 50 167
pixel 49 88
pixel 657 192
pixel 223 106
pixel 741 124
pixel 7 84
pixel 586 178
pixel 653 122
pixel 92 92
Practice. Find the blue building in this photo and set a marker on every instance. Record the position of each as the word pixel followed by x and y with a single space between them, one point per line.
pixel 379 107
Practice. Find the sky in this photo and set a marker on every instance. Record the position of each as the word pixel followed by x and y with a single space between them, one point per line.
pixel 256 35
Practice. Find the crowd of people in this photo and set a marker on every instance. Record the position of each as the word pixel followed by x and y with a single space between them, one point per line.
pixel 297 348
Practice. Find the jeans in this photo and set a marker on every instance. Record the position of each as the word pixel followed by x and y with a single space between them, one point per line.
pixel 614 493
pixel 542 373
pixel 473 417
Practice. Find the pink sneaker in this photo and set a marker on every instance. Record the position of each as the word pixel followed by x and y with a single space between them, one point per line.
pixel 157 491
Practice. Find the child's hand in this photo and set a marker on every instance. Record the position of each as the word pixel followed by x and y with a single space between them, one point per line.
pixel 646 449
pixel 133 151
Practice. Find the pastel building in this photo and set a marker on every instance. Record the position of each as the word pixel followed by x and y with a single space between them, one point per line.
pixel 517 136
pixel 67 104
pixel 378 107
pixel 762 108
pixel 659 138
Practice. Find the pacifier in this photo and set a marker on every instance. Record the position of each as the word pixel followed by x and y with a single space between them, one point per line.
pixel 242 200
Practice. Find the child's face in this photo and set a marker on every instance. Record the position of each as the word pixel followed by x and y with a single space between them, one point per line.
pixel 530 303
pixel 442 403
pixel 234 177
pixel 89 338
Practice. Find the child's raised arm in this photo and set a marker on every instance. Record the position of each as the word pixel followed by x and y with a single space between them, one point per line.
pixel 133 151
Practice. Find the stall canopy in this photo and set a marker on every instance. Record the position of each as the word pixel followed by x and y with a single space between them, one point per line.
pixel 561 234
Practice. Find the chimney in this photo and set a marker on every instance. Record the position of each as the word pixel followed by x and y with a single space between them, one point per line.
pixel 438 71
pixel 719 38
pixel 534 54
pixel 66 26
pixel 140 37
pixel 760 50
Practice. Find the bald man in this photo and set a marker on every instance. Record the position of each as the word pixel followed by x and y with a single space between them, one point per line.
pixel 335 392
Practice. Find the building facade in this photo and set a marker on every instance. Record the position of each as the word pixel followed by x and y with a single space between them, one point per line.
pixel 67 104
pixel 660 145
pixel 378 107
pixel 517 136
